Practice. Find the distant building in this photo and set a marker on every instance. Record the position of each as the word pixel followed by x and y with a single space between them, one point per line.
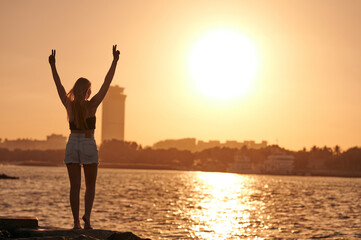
pixel 233 144
pixel 193 145
pixel 181 144
pixel 52 142
pixel 254 145
pixel 279 164
pixel 113 114
pixel 55 141
pixel 241 164
pixel 210 144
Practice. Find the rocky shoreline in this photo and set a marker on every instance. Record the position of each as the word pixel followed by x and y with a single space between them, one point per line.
pixel 27 228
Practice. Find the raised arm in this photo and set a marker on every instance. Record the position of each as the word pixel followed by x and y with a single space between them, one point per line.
pixel 59 86
pixel 98 98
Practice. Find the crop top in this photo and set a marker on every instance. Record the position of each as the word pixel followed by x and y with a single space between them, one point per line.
pixel 90 123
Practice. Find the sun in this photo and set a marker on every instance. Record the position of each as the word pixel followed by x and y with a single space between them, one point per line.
pixel 223 64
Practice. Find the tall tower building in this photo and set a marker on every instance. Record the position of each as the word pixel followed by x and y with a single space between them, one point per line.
pixel 113 114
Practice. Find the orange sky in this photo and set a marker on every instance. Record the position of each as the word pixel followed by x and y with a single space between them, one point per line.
pixel 306 91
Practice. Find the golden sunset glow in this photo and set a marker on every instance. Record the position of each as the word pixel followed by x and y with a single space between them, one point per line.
pixel 278 71
pixel 221 120
pixel 223 64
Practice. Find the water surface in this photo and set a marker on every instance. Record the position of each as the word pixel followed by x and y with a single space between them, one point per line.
pixel 192 205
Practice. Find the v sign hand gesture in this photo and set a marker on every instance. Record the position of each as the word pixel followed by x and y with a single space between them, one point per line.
pixel 115 53
pixel 59 86
pixel 98 98
pixel 52 57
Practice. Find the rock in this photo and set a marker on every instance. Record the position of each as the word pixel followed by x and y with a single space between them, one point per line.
pixel 27 228
pixel 10 223
pixel 4 176
pixel 4 234
pixel 84 237
pixel 54 234
pixel 124 236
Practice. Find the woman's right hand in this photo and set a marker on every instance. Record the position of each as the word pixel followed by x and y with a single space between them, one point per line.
pixel 52 57
pixel 115 53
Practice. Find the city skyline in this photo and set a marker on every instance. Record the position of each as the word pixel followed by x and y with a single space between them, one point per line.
pixel 303 89
pixel 58 141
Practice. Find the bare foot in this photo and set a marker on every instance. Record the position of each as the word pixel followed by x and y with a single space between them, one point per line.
pixel 77 225
pixel 86 223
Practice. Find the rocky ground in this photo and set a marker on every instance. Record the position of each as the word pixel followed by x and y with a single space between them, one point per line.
pixel 27 228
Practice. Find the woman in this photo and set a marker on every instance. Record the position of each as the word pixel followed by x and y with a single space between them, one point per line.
pixel 81 147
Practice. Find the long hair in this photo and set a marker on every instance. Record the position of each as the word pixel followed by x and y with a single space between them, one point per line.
pixel 77 111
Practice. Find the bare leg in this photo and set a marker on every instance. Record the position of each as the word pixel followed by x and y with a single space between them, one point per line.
pixel 90 173
pixel 74 172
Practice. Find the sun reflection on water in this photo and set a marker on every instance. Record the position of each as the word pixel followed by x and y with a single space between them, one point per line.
pixel 225 210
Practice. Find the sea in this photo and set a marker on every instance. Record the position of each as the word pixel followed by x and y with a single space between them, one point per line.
pixel 161 204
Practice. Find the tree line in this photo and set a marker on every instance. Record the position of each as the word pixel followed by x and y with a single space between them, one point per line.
pixel 125 154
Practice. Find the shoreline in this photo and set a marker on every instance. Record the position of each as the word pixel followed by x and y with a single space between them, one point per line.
pixel 309 173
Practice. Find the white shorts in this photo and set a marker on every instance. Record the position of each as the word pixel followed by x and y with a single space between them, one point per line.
pixel 81 150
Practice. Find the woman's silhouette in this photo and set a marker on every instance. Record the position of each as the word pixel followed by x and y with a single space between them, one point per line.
pixel 81 147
